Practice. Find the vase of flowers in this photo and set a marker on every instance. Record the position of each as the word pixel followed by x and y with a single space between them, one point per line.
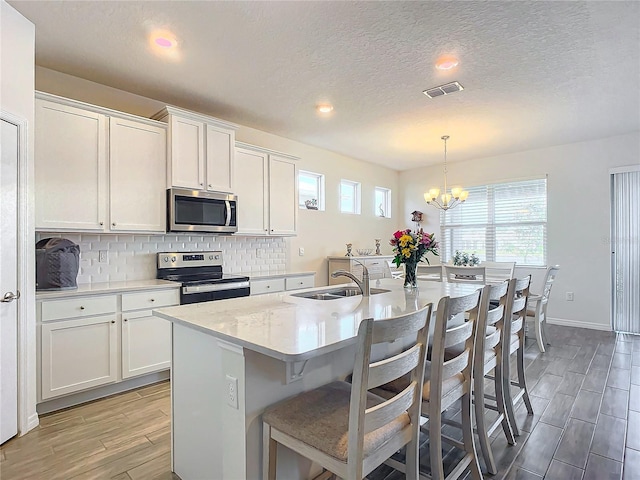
pixel 409 248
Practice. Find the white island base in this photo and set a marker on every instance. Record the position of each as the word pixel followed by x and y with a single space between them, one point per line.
pixel 213 440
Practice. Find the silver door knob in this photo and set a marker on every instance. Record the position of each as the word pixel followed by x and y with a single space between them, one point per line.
pixel 10 297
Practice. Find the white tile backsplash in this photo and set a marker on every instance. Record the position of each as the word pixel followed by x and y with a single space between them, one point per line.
pixel 133 257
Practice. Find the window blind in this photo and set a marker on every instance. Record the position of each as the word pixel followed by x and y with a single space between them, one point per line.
pixel 501 222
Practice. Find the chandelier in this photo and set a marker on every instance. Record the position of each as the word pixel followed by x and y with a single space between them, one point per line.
pixel 447 200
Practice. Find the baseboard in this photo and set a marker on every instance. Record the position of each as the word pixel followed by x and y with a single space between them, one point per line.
pixel 575 323
pixel 32 422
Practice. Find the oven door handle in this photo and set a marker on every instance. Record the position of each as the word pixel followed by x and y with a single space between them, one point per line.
pixel 228 221
pixel 213 287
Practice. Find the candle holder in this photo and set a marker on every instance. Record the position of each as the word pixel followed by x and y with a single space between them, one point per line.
pixel 378 246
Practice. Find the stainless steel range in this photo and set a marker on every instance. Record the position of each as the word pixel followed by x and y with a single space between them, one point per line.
pixel 201 276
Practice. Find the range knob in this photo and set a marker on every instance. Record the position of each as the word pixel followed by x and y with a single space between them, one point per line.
pixel 217 257
pixel 210 257
pixel 166 259
pixel 173 259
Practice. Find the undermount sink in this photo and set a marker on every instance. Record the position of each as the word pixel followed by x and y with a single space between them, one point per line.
pixel 337 293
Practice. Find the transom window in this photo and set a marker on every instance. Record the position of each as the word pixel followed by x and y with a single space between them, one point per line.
pixel 349 197
pixel 501 222
pixel 383 202
pixel 310 190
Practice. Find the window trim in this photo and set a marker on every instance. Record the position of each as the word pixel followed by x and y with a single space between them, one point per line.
pixel 320 182
pixel 387 200
pixel 357 202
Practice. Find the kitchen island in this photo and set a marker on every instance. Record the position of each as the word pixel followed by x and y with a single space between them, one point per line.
pixel 233 358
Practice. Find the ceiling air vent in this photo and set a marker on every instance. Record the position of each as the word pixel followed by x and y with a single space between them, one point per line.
pixel 445 89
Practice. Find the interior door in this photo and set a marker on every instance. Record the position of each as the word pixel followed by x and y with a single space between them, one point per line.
pixel 8 281
pixel 625 232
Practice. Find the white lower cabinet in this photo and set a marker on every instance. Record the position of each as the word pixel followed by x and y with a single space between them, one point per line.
pixel 78 354
pixel 93 340
pixel 146 343
pixel 276 284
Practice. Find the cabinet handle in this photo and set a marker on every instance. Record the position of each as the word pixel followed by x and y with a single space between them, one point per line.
pixel 209 185
pixel 202 184
pixel 268 286
pixel 153 299
pixel 113 321
pixel 101 224
pixel 81 307
pixel 113 224
pixel 126 319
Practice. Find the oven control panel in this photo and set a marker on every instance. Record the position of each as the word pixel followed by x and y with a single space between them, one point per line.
pixel 189 259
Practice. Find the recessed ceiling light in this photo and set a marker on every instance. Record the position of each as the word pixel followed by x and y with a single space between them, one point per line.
pixel 446 62
pixel 164 40
pixel 324 108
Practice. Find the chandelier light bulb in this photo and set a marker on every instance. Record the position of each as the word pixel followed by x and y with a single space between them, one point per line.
pixel 450 199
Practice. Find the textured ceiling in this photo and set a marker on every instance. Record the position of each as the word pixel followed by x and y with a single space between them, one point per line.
pixel 535 74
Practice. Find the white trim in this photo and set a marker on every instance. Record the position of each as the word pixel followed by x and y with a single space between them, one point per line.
pixel 626 169
pixel 575 323
pixel 256 148
pixel 198 117
pixel 232 347
pixel 27 416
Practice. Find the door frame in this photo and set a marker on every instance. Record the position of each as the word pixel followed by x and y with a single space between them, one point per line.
pixel 612 244
pixel 27 415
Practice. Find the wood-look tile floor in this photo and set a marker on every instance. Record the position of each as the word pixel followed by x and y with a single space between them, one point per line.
pixel 585 391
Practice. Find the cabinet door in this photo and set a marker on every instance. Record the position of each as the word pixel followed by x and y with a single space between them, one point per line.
pixel 78 354
pixel 137 188
pixel 251 188
pixel 220 159
pixel 146 343
pixel 187 153
pixel 283 193
pixel 70 168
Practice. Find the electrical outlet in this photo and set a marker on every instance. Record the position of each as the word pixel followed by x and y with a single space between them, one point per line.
pixel 102 256
pixel 301 251
pixel 232 391
pixel 569 296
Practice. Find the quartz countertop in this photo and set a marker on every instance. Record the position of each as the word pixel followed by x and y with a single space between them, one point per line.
pixel 265 275
pixel 291 328
pixel 359 257
pixel 107 287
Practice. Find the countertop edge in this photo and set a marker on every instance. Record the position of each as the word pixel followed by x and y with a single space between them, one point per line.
pixel 260 276
pixel 105 288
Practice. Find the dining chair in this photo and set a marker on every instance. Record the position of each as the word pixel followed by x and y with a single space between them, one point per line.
pixel 447 381
pixel 515 343
pixel 539 311
pixel 396 272
pixel 457 274
pixel 344 427
pixel 499 271
pixel 429 272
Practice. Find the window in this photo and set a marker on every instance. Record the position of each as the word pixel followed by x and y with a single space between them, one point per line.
pixel 502 222
pixel 349 197
pixel 310 190
pixel 383 202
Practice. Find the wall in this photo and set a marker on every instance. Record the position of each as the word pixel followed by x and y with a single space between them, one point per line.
pixel 17 57
pixel 133 257
pixel 320 233
pixel 578 214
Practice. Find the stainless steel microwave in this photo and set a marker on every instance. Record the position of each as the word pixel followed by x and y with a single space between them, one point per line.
pixel 198 211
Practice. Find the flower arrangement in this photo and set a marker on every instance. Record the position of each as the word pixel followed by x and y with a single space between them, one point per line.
pixel 411 247
pixel 463 259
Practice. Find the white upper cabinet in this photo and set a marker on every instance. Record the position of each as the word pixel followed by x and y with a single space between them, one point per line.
pixel 251 167
pixel 70 167
pixel 137 176
pixel 97 169
pixel 201 150
pixel 267 190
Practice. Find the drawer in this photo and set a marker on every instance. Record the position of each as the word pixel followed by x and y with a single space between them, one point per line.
pixel 78 307
pixel 270 285
pixel 150 299
pixel 302 281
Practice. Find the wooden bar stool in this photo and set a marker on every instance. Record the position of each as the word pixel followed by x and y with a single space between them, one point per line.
pixel 345 428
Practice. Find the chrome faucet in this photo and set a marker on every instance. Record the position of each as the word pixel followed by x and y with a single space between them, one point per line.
pixel 362 285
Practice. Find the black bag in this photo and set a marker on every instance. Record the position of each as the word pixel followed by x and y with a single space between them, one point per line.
pixel 57 264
